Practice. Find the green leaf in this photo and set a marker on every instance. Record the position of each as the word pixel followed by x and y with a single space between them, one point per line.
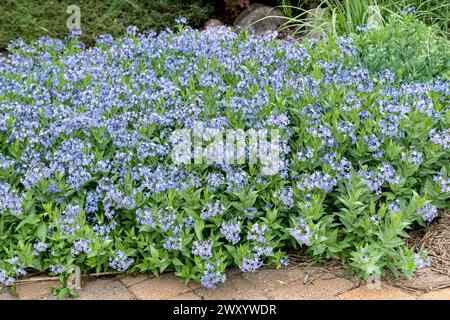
pixel 199 225
pixel 32 219
pixel 42 231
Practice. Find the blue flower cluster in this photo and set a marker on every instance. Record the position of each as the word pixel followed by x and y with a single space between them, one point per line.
pixel 212 276
pixel 81 246
pixel 428 212
pixel 231 230
pixel 119 261
pixel 203 249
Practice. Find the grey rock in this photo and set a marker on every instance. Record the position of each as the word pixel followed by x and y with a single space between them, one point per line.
pixel 259 18
pixel 213 23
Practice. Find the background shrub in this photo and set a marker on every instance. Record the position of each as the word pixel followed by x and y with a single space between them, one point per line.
pixel 32 19
pixel 407 45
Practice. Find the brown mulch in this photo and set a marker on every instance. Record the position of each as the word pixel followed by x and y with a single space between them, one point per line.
pixel 436 242
pixel 435 239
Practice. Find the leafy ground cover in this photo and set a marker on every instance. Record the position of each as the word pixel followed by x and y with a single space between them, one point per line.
pixel 87 176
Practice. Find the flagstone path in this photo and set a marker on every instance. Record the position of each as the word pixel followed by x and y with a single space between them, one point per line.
pixel 298 283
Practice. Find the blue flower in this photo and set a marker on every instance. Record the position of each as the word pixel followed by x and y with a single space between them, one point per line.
pixel 215 180
pixel 258 233
pixel 442 138
pixel 284 261
pixel 231 230
pixel 57 269
pixel 181 20
pixel 421 260
pixel 302 232
pixel 443 181
pixel 395 206
pixel 146 217
pixel 413 156
pixel 40 247
pixel 212 276
pixel 80 246
pixel 75 33
pixel 251 264
pixel 203 249
pixel 409 9
pixel 211 210
pixel 428 212
pixel 250 213
pixel 68 221
pixel 286 196
pixel 131 30
pixel 173 243
pixel 10 201
pixel 5 279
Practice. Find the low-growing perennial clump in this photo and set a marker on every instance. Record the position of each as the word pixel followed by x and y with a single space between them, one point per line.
pixel 87 177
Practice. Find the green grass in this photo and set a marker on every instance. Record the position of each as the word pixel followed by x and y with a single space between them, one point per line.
pixel 32 19
pixel 338 17
pixel 343 16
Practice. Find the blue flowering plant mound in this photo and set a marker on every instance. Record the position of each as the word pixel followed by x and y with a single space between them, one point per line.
pixel 87 176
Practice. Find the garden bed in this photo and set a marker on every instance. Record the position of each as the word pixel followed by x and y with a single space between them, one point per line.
pixel 91 174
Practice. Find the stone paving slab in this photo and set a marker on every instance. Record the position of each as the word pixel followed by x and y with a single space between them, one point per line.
pixel 442 294
pixel 385 292
pixel 186 296
pixel 295 283
pixel 105 289
pixel 270 279
pixel 5 295
pixel 235 288
pixel 162 287
pixel 129 281
pixel 319 290
pixel 35 290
